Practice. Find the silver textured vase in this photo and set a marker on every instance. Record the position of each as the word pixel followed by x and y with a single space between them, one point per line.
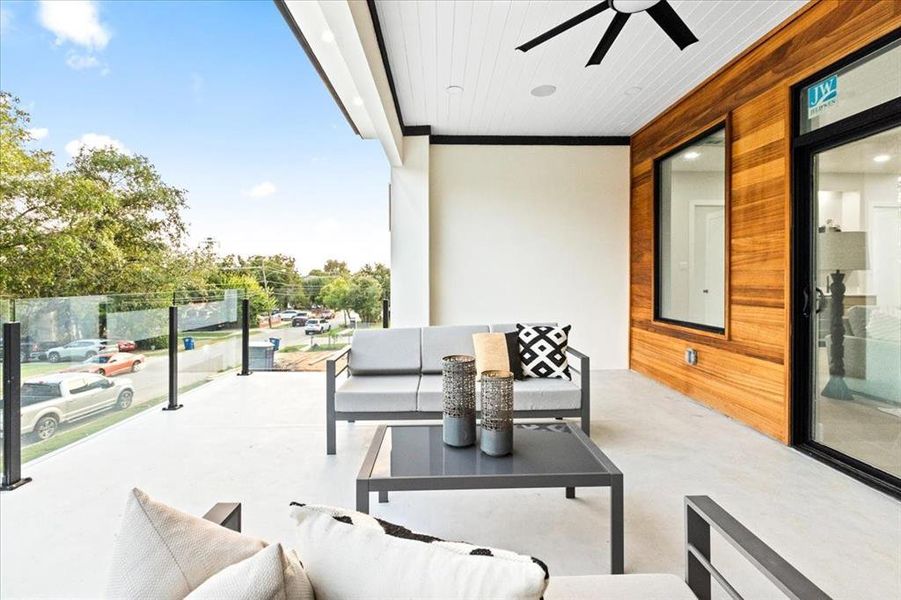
pixel 497 413
pixel 458 383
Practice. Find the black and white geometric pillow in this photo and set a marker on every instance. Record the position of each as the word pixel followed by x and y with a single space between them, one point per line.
pixel 351 554
pixel 542 350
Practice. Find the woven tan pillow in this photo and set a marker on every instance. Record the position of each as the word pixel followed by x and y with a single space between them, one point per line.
pixel 491 352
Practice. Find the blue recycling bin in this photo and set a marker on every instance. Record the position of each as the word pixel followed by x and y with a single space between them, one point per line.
pixel 189 343
pixel 275 342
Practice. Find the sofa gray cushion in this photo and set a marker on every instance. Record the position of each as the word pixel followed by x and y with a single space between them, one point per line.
pixel 545 394
pixel 377 393
pixel 511 327
pixel 622 587
pixel 430 397
pixel 438 342
pixel 385 351
pixel 529 394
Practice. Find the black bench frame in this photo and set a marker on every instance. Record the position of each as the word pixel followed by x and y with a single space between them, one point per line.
pixel 701 513
pixel 332 415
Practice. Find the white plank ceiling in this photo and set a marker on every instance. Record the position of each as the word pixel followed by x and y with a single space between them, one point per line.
pixel 435 44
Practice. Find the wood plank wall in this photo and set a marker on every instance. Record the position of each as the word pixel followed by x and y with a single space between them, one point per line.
pixel 746 372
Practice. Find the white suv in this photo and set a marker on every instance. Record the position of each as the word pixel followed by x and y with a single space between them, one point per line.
pixel 77 350
pixel 314 326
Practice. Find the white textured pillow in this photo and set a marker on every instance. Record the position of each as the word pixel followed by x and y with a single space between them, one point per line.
pixel 163 553
pixel 352 555
pixel 270 574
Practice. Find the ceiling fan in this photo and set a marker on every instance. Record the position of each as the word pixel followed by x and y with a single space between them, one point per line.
pixel 660 10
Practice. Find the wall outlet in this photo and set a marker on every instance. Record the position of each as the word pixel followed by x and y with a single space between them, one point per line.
pixel 691 356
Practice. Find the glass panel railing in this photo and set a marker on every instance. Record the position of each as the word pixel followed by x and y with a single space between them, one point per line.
pixel 89 362
pixel 209 335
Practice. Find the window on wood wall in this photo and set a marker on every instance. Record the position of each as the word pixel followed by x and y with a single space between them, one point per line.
pixel 690 222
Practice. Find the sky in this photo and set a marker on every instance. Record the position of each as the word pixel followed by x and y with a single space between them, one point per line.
pixel 223 100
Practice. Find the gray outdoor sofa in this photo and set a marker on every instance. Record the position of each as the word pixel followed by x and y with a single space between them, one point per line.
pixel 395 374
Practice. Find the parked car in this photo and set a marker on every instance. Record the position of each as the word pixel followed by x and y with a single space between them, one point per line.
pixel 315 326
pixel 327 313
pixel 287 315
pixel 125 345
pixel 300 319
pixel 51 400
pixel 36 350
pixel 77 350
pixel 111 363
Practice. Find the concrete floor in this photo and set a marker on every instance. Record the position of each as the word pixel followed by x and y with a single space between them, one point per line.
pixel 260 440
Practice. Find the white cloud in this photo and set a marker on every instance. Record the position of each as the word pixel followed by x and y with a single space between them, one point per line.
pixel 38 133
pixel 82 61
pixel 75 21
pixel 93 141
pixel 261 190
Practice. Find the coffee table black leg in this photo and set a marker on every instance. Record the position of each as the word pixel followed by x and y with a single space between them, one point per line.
pixel 383 496
pixel 362 496
pixel 571 492
pixel 616 526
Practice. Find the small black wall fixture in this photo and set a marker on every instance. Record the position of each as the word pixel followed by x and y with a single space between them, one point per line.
pixel 12 409
pixel 386 313
pixel 173 360
pixel 245 337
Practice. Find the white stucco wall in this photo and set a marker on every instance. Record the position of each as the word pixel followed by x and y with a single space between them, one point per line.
pixel 533 233
pixel 410 236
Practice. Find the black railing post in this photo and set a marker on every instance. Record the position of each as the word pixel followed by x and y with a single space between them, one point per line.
pixel 173 360
pixel 245 337
pixel 386 312
pixel 12 408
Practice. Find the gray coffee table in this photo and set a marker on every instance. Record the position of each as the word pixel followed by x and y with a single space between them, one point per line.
pixel 414 457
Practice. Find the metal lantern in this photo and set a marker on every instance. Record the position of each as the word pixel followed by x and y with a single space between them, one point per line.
pixel 458 382
pixel 497 413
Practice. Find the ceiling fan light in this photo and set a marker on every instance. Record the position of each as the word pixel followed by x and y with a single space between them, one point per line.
pixel 632 6
pixel 692 155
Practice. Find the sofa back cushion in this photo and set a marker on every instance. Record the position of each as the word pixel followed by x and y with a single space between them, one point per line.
pixel 438 342
pixel 385 351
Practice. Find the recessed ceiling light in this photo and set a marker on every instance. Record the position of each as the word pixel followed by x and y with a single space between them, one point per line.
pixel 357 101
pixel 454 90
pixel 691 155
pixel 543 90
pixel 881 158
pixel 632 6
pixel 633 90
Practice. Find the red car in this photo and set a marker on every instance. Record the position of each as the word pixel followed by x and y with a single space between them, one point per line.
pixel 126 346
pixel 111 363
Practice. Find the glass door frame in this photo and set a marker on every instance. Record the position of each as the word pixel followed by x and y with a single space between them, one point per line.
pixel 803 298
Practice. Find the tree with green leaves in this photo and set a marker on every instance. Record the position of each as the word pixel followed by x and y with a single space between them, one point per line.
pixel 107 223
pixel 276 273
pixel 335 295
pixel 364 297
pixel 380 273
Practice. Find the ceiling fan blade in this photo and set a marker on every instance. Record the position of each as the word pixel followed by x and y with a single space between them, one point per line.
pixel 568 24
pixel 619 21
pixel 672 24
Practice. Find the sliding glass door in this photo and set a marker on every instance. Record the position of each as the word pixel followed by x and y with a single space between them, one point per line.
pixel 847 268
